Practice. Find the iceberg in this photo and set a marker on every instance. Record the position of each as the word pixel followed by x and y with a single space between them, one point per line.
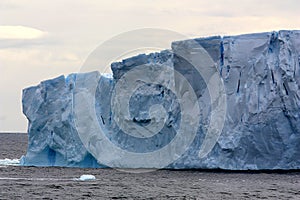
pixel 229 102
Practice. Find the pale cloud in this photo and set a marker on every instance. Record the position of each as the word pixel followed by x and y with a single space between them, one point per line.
pixel 43 39
pixel 20 32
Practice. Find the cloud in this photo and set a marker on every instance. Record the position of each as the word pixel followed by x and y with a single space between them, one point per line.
pixel 55 38
pixel 2 117
pixel 8 4
pixel 29 43
pixel 20 33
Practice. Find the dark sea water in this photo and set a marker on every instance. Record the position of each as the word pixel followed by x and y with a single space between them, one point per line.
pixel 60 183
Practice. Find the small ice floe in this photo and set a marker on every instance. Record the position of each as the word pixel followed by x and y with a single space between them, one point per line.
pixel 7 162
pixel 86 177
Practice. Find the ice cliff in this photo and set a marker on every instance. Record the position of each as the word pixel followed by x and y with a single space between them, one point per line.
pixel 261 128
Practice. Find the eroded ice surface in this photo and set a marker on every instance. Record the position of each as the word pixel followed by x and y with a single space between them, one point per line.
pixel 261 77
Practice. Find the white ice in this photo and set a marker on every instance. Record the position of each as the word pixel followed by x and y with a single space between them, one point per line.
pixel 87 177
pixel 7 162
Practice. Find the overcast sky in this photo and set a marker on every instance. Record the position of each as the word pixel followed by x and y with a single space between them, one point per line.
pixel 43 39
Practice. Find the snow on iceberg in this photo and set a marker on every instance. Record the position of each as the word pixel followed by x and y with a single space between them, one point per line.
pixel 91 120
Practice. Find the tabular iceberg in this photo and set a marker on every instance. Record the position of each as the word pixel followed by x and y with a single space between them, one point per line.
pixel 260 79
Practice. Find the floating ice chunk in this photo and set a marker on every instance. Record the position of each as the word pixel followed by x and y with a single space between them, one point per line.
pixel 87 177
pixel 8 161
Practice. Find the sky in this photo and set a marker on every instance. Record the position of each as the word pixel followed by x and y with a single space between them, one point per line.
pixel 43 39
